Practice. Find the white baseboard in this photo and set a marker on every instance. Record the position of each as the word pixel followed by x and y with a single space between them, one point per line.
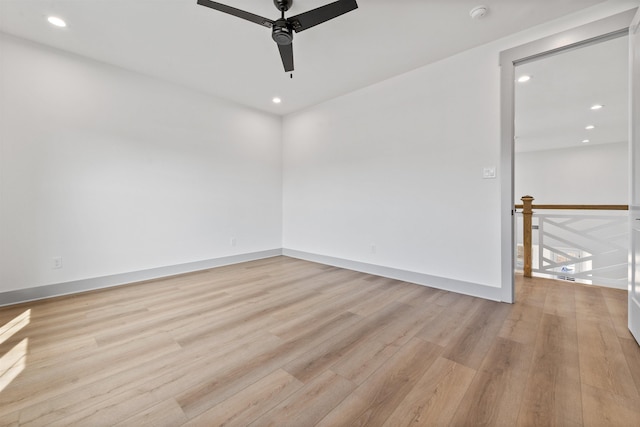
pixel 76 286
pixel 458 286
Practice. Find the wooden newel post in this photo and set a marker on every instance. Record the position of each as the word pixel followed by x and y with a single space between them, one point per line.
pixel 527 213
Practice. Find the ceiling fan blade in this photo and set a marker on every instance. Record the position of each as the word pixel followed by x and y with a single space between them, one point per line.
pixel 286 53
pixel 321 14
pixel 237 12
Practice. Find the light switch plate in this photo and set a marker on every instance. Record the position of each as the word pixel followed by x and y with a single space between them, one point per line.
pixel 489 173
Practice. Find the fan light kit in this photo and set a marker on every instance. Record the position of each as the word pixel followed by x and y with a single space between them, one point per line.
pixel 479 12
pixel 282 29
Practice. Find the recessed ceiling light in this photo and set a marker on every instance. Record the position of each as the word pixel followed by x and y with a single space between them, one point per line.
pixel 54 20
pixel 584 141
pixel 524 78
pixel 596 106
pixel 276 100
pixel 590 127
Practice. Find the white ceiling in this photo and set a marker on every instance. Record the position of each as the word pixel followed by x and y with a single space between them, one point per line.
pixel 553 109
pixel 197 47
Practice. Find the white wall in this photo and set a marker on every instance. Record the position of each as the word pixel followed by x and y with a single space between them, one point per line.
pixel 117 172
pixel 399 165
pixel 589 174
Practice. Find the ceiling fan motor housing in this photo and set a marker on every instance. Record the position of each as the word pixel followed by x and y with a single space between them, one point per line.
pixel 281 32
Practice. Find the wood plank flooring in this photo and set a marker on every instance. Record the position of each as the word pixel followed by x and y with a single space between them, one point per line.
pixel 285 342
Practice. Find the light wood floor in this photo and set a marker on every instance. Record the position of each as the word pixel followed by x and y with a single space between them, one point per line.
pixel 285 342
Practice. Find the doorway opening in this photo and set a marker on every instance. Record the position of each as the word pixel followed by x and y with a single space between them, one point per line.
pixel 596 32
pixel 571 154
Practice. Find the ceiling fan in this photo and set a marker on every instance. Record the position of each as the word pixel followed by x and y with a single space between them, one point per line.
pixel 282 29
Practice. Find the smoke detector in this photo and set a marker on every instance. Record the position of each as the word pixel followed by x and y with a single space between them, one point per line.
pixel 479 12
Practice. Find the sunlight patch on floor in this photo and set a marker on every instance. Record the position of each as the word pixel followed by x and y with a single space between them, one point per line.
pixel 14 326
pixel 14 361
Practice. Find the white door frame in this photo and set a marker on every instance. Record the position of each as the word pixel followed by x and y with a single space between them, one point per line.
pixel 601 30
pixel 634 187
